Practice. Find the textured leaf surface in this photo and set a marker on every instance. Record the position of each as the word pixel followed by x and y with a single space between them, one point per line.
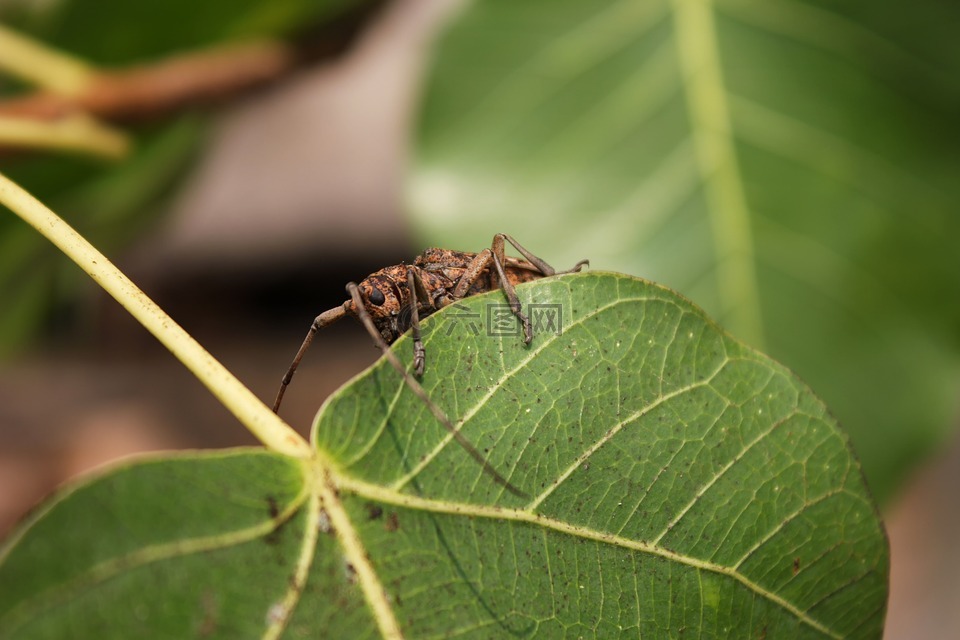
pixel 678 483
pixel 790 165
pixel 186 547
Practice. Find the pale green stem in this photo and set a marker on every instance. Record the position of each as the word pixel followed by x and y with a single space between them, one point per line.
pixel 41 65
pixel 729 214
pixel 263 423
pixel 76 132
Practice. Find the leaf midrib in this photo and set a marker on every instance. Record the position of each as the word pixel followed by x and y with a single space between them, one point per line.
pixel 384 495
pixel 712 133
pixel 507 375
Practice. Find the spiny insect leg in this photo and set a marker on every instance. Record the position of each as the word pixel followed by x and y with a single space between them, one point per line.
pixel 539 263
pixel 418 391
pixel 507 287
pixel 419 292
pixel 475 269
pixel 323 320
pixel 471 274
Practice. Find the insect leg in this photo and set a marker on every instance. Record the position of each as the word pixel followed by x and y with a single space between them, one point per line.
pixel 476 268
pixel 471 274
pixel 544 268
pixel 324 319
pixel 418 391
pixel 419 292
pixel 507 287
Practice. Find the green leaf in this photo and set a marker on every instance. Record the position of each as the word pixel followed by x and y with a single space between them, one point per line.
pixel 677 481
pixel 790 165
pixel 187 546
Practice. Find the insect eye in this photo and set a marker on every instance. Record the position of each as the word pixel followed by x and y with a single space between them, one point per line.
pixel 376 297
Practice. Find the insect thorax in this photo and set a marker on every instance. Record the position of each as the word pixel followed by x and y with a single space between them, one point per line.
pixel 388 298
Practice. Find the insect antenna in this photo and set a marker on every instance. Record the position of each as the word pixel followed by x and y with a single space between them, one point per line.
pixel 418 391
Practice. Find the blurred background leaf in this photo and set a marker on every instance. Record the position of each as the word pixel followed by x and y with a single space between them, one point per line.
pixel 791 166
pixel 113 203
pixel 120 33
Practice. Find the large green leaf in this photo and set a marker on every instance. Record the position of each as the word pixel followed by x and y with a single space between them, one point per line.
pixel 678 484
pixel 790 165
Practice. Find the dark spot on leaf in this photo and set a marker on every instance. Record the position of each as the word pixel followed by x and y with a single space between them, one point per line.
pixel 294 584
pixel 350 572
pixel 208 603
pixel 392 523
pixel 272 506
pixel 374 511
pixel 796 566
pixel 273 537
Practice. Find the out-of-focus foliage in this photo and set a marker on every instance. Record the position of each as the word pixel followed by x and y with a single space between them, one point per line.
pixel 123 33
pixel 110 202
pixel 790 165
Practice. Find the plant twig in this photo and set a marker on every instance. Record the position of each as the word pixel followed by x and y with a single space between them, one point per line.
pixel 41 65
pixel 77 132
pixel 256 416
pixel 163 86
pixel 157 87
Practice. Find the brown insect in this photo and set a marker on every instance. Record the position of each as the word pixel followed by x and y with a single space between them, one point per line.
pixel 393 300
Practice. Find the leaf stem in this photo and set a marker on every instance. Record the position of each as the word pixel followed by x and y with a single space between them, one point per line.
pixel 263 423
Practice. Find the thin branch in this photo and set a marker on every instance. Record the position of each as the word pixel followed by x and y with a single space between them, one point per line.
pixel 76 132
pixel 164 86
pixel 41 65
pixel 256 416
pixel 158 87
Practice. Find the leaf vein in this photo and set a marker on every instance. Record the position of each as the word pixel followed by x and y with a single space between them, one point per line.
pixel 379 493
pixel 719 474
pixel 615 429
pixel 495 387
pixel 783 523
